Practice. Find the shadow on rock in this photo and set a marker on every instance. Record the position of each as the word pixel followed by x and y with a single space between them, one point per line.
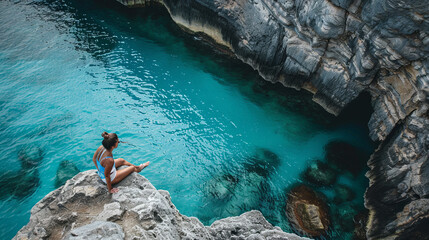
pixel 360 220
pixel 320 174
pixel 345 156
pixel 65 171
pixel 307 211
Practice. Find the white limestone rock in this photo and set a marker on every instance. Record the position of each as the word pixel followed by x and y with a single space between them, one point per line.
pixel 111 212
pixel 97 230
pixel 85 211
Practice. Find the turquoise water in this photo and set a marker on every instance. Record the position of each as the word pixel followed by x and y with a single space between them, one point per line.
pixel 71 70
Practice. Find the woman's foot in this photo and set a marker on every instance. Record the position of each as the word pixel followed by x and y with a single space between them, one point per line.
pixel 141 166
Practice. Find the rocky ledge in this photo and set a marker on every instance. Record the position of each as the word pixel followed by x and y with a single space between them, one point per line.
pixel 83 209
pixel 339 50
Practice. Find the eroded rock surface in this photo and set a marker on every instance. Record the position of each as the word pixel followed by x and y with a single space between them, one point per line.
pixel 399 181
pixel 83 209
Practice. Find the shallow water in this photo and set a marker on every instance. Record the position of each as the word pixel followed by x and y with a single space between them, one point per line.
pixel 71 70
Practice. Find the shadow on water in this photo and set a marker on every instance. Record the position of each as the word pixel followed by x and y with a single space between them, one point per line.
pixel 89 21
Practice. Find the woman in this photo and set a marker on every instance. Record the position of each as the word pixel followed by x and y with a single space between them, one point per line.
pixel 106 165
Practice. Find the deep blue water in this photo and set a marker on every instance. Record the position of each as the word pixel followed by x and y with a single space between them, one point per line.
pixel 70 70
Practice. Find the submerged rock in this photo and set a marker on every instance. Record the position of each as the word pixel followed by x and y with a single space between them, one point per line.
pixel 229 195
pixel 19 184
pixel 345 156
pixel 250 191
pixel 221 187
pixel 307 212
pixel 343 193
pixel 320 174
pixel 30 156
pixel 24 182
pixel 66 170
pixel 244 191
pixel 142 213
pixel 263 162
pixel 344 215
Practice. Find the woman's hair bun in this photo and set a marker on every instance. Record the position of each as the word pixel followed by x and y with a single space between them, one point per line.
pixel 105 135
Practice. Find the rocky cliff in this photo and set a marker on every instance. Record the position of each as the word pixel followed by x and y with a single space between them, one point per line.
pixel 339 49
pixel 83 209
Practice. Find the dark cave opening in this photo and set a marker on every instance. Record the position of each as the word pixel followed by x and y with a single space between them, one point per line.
pixel 358 111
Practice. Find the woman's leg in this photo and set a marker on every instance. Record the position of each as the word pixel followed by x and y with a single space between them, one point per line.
pixel 120 161
pixel 122 173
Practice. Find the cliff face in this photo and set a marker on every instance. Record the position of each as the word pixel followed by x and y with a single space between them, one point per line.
pixel 83 209
pixel 338 49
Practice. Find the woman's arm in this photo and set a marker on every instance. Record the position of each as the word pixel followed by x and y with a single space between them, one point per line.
pixel 94 158
pixel 107 170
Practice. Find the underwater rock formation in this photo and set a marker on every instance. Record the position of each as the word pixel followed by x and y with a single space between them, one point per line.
pixel 344 216
pixel 66 170
pixel 221 187
pixel 343 193
pixel 83 209
pixel 230 195
pixel 307 212
pixel 320 174
pixel 30 156
pixel 247 195
pixel 263 162
pixel 19 184
pixel 24 182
